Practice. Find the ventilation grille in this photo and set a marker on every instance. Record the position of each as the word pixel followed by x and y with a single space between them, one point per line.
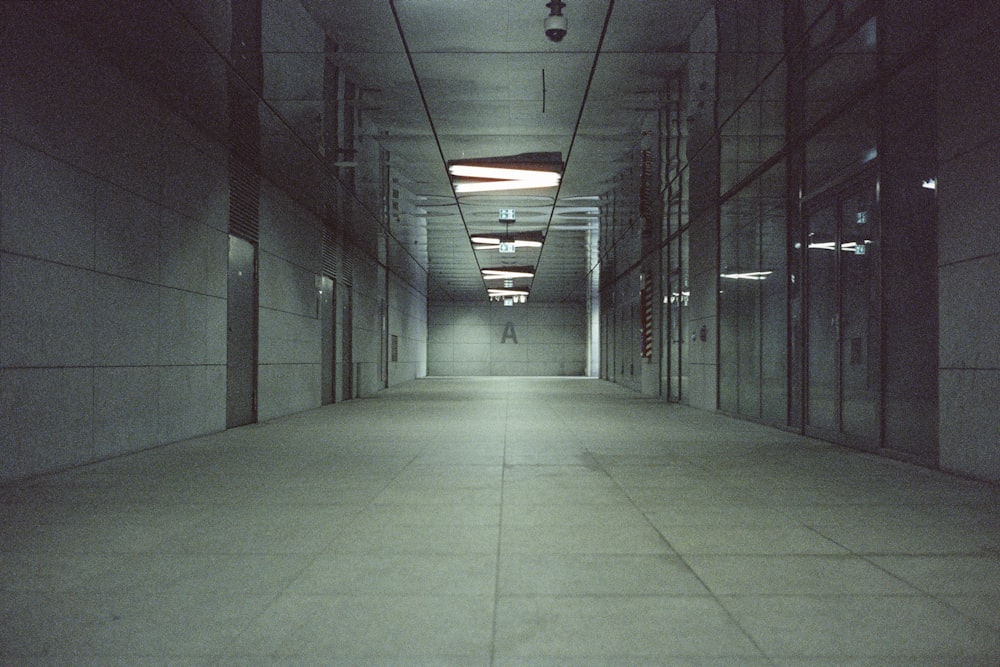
pixel 347 266
pixel 244 201
pixel 331 254
pixel 244 166
pixel 337 260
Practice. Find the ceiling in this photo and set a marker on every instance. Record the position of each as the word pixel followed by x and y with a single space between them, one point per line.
pixel 452 79
pixel 439 80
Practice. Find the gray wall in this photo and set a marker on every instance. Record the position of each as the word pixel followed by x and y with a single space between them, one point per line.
pixel 114 215
pixel 468 339
pixel 290 245
pixel 113 251
pixel 969 243
pixel 369 307
pixel 408 322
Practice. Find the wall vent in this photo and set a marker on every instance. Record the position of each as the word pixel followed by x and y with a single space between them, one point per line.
pixel 244 201
pixel 347 266
pixel 331 254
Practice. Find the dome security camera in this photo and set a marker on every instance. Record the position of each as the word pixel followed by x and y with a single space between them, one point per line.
pixel 555 22
pixel 555 27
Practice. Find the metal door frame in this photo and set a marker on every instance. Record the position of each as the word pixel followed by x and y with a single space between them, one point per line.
pixel 835 195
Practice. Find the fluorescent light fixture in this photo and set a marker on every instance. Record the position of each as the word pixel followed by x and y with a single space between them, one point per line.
pixel 548 180
pixel 502 173
pixel 514 272
pixel 513 172
pixel 751 275
pixel 501 292
pixel 482 242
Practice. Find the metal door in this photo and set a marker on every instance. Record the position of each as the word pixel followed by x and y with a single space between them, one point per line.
pixel 345 304
pixel 325 303
pixel 241 338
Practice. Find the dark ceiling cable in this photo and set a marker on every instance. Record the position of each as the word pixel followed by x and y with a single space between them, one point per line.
pixel 543 90
pixel 579 120
pixel 437 139
pixel 694 154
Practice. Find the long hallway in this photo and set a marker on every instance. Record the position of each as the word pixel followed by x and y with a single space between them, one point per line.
pixel 496 521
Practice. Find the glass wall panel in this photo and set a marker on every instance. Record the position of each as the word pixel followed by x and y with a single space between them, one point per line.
pixel 869 312
pixel 674 278
pixel 848 143
pixel 747 284
pixel 668 323
pixel 756 130
pixel 773 266
pixel 859 314
pixel 729 310
pixel 753 300
pixel 677 296
pixel 753 83
pixel 683 291
pixel 845 71
pixel 822 320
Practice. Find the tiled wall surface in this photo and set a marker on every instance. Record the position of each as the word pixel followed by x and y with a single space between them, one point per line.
pixel 969 244
pixel 367 344
pixel 289 370
pixel 113 251
pixel 114 217
pixel 469 339
pixel 408 322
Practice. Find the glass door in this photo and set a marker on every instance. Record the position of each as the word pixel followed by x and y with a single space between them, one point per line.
pixel 822 319
pixel 843 340
pixel 675 314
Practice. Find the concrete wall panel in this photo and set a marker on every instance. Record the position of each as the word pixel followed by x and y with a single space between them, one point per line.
pixel 45 434
pixel 46 313
pixel 125 409
pixel 48 207
pixel 114 251
pixel 469 339
pixel 969 244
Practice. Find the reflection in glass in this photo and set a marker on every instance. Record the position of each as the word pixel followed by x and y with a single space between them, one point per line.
pixel 822 320
pixel 752 301
pixel 859 328
pixel 846 144
pixel 843 314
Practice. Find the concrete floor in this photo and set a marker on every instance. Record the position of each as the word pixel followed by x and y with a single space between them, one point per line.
pixel 500 522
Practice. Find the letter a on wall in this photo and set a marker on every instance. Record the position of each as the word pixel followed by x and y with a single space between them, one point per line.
pixel 508 332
